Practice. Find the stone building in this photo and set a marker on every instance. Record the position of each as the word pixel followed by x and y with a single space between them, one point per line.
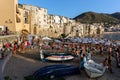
pixel 58 25
pixel 36 20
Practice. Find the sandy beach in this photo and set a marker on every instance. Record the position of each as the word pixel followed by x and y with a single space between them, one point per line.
pixel 18 67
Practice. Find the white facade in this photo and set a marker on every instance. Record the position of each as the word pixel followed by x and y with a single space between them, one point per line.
pixel 54 25
pixel 39 15
pixel 57 19
pixel 42 17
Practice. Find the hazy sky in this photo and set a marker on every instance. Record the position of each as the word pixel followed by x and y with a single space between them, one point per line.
pixel 72 8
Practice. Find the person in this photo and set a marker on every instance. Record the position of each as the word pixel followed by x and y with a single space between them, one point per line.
pixel 28 45
pixel 22 47
pixel 40 45
pixel 15 49
pixel 84 60
pixel 81 53
pixel 76 52
pixel 88 55
pixel 109 61
pixel 101 51
pixel 41 55
pixel 117 57
pixel 3 52
pixel 105 62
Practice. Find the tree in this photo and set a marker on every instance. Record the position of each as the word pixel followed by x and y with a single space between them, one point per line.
pixel 63 35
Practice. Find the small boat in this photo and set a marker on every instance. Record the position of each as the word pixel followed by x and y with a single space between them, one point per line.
pixel 54 71
pixel 59 57
pixel 94 69
pixel 119 63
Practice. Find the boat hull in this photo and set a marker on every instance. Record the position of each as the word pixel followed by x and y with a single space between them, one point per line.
pixel 93 69
pixel 93 74
pixel 53 71
pixel 59 58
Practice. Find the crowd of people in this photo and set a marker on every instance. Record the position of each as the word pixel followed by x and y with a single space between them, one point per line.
pixel 84 51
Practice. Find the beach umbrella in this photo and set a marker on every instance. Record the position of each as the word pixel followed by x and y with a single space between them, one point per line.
pixel 84 40
pixel 46 38
pixel 89 40
pixel 74 40
pixel 58 41
pixel 94 41
pixel 101 41
pixel 107 43
pixel 80 40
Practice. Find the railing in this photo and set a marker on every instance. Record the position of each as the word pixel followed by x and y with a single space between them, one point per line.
pixel 8 36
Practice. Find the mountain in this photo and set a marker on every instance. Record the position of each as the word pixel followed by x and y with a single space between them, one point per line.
pixel 93 17
pixel 116 15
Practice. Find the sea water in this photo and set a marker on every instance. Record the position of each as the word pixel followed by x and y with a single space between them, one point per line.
pixel 112 36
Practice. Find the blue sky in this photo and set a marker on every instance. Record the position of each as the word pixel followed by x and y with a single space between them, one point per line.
pixel 72 8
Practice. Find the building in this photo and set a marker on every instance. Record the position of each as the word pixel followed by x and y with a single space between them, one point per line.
pixel 8 12
pixel 36 20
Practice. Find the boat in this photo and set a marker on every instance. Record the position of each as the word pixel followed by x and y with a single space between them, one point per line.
pixel 59 57
pixel 93 69
pixel 119 63
pixel 54 71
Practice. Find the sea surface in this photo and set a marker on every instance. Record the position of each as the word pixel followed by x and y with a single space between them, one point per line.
pixel 112 35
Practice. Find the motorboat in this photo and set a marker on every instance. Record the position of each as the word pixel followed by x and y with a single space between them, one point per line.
pixel 94 69
pixel 119 63
pixel 59 57
pixel 54 71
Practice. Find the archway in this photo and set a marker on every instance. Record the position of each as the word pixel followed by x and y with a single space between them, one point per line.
pixel 24 34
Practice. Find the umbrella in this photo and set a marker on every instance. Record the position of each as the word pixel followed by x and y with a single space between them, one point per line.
pixel 46 38
pixel 58 41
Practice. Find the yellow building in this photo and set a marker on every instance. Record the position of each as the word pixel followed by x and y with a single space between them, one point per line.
pixel 36 20
pixel 8 14
pixel 12 17
pixel 22 19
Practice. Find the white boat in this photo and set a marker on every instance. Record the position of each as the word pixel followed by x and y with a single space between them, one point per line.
pixel 94 69
pixel 59 58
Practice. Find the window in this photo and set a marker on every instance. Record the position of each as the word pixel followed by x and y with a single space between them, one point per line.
pixel 26 14
pixel 44 10
pixel 36 10
pixel 17 19
pixel 44 16
pixel 55 31
pixel 26 20
pixel 26 17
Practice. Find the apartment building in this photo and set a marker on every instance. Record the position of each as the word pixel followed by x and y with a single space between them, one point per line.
pixel 8 14
pixel 36 20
